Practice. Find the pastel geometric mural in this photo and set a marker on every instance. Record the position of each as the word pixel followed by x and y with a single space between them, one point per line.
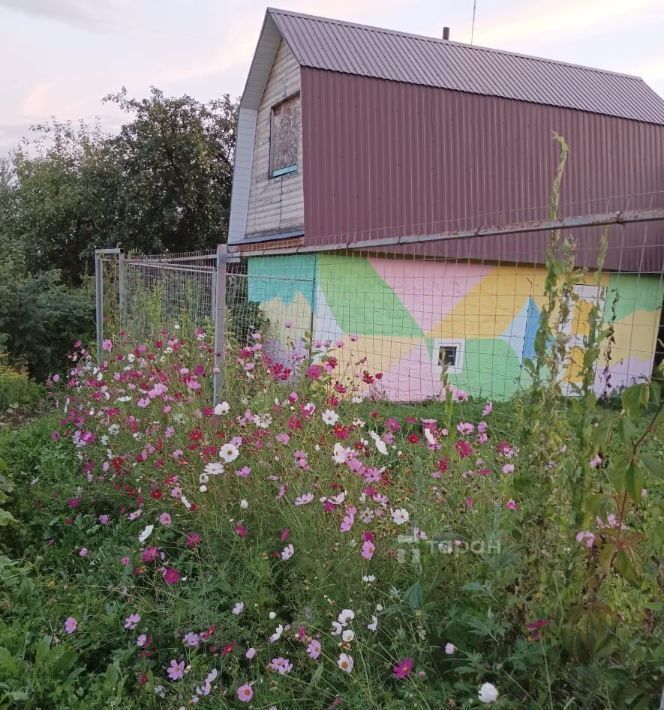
pixel 415 319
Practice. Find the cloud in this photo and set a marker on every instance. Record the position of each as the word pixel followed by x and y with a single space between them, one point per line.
pixel 533 22
pixel 72 12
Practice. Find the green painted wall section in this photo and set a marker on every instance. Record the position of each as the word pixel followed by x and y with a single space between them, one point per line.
pixel 361 301
pixel 490 367
pixel 635 293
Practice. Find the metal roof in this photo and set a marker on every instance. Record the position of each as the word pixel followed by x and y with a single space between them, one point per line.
pixel 333 45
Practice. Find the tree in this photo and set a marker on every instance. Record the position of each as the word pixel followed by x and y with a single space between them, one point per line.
pixel 162 184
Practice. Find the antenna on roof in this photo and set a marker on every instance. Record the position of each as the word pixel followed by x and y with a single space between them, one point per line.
pixel 472 29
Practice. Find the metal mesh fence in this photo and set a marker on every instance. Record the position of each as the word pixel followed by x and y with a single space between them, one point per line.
pixel 414 320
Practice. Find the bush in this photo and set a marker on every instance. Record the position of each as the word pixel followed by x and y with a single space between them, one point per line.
pixel 40 318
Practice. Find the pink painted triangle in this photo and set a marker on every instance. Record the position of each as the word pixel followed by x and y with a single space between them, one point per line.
pixel 428 289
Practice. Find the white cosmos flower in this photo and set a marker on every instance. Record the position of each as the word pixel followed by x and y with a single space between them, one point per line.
pixel 222 408
pixel 330 417
pixel 348 635
pixel 450 648
pixel 488 693
pixel 340 453
pixel 345 662
pixel 145 534
pixel 336 628
pixel 373 625
pixel 381 446
pixel 346 616
pixel 277 634
pixel 400 515
pixel 229 452
pixel 287 552
pixel 244 504
pixel 214 468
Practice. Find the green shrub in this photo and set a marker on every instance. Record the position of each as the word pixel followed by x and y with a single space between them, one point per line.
pixel 16 388
pixel 40 318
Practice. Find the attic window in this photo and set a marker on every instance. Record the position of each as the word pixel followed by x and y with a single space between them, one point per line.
pixel 284 136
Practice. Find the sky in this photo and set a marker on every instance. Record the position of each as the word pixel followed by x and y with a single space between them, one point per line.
pixel 61 57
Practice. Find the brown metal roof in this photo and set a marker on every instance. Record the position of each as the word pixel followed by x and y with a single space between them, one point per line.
pixel 332 45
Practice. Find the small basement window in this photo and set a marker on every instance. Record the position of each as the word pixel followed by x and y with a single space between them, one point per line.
pixel 449 354
pixel 284 136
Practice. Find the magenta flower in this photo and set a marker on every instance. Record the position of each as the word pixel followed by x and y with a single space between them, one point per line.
pixel 193 540
pixel 83 552
pixel 70 624
pixel 150 554
pixel 245 693
pixel 107 345
pixel 403 668
pixel 314 372
pixel 171 576
pixel 175 670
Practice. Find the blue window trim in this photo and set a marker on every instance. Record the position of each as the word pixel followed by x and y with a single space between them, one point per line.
pixel 284 171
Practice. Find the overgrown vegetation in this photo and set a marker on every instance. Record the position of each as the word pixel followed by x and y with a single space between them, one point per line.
pixel 163 183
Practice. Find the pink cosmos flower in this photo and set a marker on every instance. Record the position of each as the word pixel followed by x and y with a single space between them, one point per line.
pixel 107 345
pixel 165 519
pixel 142 640
pixel 450 648
pixel 191 639
pixel 83 552
pixel 403 668
pixel 287 552
pixel 104 519
pixel 313 649
pixel 245 693
pixel 304 499
pixel 132 621
pixel 250 653
pixel 586 538
pixel 243 473
pixel 488 407
pixel 176 670
pixel 282 665
pixel 511 505
pixel 170 575
pixel 70 624
pixel 368 546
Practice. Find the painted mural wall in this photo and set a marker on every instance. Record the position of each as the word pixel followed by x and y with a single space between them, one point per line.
pixel 410 319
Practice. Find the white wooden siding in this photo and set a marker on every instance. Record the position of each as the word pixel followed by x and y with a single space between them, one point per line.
pixel 275 204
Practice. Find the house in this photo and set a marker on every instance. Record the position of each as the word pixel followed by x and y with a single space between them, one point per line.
pixel 351 138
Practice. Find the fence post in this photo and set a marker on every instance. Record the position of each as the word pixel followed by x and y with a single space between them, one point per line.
pixel 122 289
pixel 99 303
pixel 219 318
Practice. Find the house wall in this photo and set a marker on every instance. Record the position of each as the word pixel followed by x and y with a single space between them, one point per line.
pixel 387 159
pixel 276 205
pixel 401 310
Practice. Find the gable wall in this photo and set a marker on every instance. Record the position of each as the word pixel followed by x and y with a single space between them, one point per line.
pixel 276 205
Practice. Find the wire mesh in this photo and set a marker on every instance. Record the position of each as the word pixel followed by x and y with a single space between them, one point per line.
pixel 412 323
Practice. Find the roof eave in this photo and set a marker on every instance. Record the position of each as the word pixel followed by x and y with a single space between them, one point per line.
pixel 263 59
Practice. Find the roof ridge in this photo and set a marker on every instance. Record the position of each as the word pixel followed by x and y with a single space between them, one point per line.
pixel 447 42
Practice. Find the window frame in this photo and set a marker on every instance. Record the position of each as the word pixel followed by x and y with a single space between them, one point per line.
pixel 457 343
pixel 287 169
